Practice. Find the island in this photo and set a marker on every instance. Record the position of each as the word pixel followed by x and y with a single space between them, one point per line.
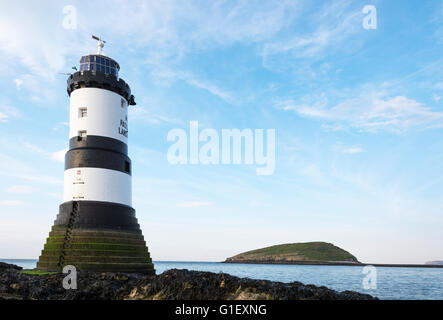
pixel 313 253
pixel 297 253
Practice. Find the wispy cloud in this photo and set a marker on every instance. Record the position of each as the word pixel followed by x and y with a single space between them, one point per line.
pixel 3 117
pixel 164 76
pixel 18 83
pixel 37 93
pixel 34 49
pixel 21 189
pixel 327 30
pixel 143 113
pixel 194 204
pixel 10 203
pixel 348 149
pixel 369 111
pixel 34 148
pixel 212 89
pixel 59 155
pixel 38 178
pixel 8 112
pixel 59 126
pixel 165 26
pixel 352 150
pixel 12 167
pixel 57 195
pixel 437 20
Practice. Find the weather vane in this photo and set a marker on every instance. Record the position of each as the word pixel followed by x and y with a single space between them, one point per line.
pixel 100 44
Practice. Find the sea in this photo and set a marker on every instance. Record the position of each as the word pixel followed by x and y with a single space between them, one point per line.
pixel 386 282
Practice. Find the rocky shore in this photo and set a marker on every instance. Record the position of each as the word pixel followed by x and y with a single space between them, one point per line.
pixel 171 285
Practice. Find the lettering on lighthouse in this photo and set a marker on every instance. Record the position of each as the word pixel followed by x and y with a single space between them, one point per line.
pixel 78 186
pixel 123 128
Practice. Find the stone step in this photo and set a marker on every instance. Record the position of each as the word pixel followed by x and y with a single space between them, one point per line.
pixel 88 239
pixel 96 246
pixel 60 231
pixel 110 253
pixel 69 259
pixel 146 268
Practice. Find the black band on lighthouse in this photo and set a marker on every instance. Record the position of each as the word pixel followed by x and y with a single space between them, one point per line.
pixel 99 142
pixel 97 158
pixel 99 215
pixel 97 79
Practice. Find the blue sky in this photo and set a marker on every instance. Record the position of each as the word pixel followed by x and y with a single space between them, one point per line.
pixel 358 116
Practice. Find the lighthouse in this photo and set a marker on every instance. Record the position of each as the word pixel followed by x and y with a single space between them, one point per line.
pixel 96 228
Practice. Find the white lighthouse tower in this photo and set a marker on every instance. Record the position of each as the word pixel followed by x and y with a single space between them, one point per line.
pixel 96 228
pixel 98 120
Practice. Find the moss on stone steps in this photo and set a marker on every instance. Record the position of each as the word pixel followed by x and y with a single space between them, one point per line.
pixel 110 253
pixel 89 239
pixel 147 268
pixel 96 246
pixel 60 231
pixel 97 250
pixel 97 259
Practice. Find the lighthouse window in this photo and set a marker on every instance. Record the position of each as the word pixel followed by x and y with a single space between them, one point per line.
pixel 81 135
pixel 82 112
pixel 99 63
pixel 127 167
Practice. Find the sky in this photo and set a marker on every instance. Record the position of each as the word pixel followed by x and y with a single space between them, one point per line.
pixel 357 114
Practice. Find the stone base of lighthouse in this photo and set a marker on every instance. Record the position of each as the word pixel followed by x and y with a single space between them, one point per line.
pixel 96 236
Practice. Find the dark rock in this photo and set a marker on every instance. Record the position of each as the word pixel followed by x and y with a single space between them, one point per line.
pixel 170 285
pixel 4 266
